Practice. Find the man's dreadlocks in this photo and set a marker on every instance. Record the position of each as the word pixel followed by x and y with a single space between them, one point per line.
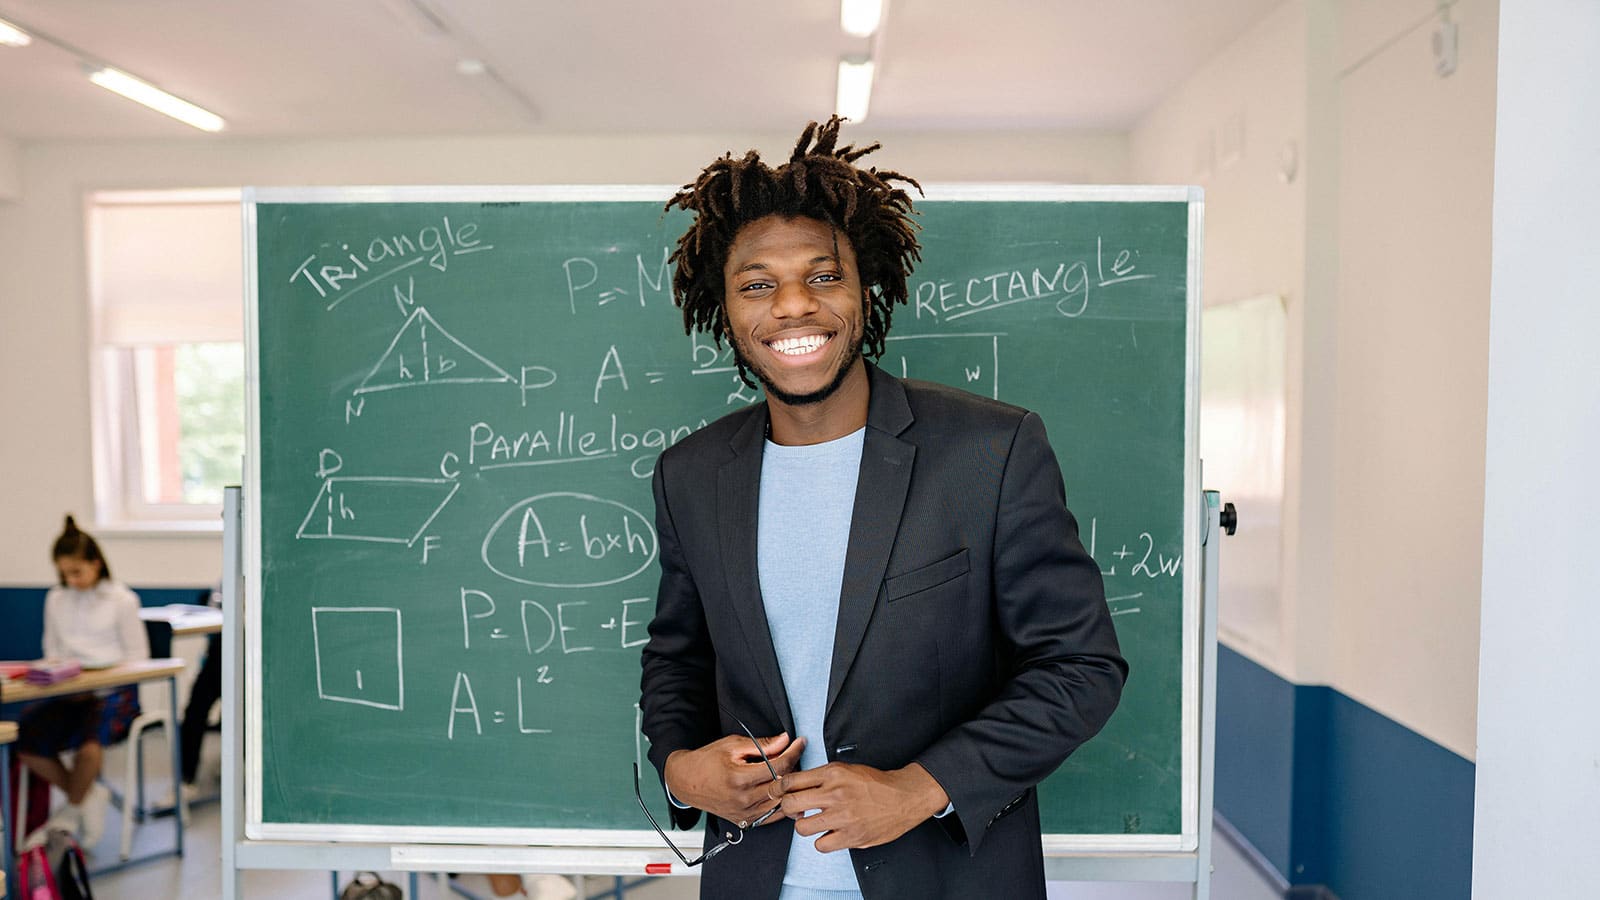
pixel 820 181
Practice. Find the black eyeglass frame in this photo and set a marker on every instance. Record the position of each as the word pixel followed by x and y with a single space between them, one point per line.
pixel 729 838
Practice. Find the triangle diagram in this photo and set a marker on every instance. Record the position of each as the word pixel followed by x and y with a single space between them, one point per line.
pixel 423 354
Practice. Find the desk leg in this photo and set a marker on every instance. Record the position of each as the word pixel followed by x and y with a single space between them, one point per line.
pixel 10 825
pixel 176 744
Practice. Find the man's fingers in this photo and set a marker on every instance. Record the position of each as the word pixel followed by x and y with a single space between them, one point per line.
pixel 789 751
pixel 831 842
pixel 748 779
pixel 757 809
pixel 810 825
pixel 772 746
pixel 789 759
pixel 795 803
pixel 775 817
pixel 748 771
pixel 738 810
pixel 739 748
pixel 833 835
pixel 802 780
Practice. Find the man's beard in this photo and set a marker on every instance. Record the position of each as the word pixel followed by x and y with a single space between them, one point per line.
pixel 816 396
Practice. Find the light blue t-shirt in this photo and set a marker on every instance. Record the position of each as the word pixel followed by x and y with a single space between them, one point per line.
pixel 807 496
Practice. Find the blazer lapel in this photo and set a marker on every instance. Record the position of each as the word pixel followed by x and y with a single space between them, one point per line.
pixel 880 498
pixel 738 496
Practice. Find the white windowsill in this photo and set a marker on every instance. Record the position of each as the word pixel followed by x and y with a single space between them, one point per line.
pixel 176 528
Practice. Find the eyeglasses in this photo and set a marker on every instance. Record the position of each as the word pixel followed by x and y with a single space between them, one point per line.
pixel 729 838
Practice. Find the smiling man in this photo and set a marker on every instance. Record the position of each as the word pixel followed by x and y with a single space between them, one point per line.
pixel 876 629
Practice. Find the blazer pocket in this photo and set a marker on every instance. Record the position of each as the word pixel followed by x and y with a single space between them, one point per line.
pixel 898 587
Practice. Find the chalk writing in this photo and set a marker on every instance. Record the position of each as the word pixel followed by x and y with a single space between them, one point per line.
pixel 1069 283
pixel 557 625
pixel 342 270
pixel 571 438
pixel 1151 562
pixel 647 278
pixel 971 360
pixel 408 506
pixel 359 657
pixel 464 704
pixel 423 354
pixel 610 370
pixel 569 540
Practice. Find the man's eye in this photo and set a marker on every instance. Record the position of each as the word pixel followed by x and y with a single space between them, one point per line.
pixel 827 276
pixel 755 286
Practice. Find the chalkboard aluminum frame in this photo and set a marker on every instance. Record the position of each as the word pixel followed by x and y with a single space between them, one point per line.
pixel 1187 841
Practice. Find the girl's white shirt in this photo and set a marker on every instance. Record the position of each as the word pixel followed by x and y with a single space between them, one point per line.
pixel 99 627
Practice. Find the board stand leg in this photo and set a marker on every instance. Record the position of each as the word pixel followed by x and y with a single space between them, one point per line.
pixel 1210 538
pixel 232 690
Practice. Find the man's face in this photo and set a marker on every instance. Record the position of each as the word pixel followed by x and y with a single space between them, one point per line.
pixel 794 306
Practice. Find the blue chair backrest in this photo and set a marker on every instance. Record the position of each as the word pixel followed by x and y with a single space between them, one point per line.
pixel 160 635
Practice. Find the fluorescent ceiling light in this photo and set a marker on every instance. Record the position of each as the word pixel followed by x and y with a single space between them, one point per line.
pixel 157 99
pixel 860 18
pixel 855 89
pixel 12 36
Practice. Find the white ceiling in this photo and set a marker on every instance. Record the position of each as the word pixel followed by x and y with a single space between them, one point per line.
pixel 337 68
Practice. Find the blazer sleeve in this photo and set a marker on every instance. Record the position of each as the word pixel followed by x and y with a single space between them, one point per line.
pixel 678 678
pixel 1067 670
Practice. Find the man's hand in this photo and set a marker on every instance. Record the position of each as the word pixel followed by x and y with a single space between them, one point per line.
pixel 727 778
pixel 860 806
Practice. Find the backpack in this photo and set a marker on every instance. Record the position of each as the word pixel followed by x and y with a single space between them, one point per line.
pixel 54 870
pixel 366 886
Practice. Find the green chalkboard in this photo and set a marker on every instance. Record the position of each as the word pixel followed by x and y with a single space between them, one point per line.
pixel 458 398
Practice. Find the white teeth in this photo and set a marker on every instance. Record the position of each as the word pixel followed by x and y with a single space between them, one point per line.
pixel 797 346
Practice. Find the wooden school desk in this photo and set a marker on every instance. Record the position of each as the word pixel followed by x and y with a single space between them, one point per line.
pixel 185 618
pixel 19 691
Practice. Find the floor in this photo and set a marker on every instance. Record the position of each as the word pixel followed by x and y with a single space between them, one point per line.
pixel 198 874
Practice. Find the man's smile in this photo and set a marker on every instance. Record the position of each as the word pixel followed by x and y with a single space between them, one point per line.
pixel 798 346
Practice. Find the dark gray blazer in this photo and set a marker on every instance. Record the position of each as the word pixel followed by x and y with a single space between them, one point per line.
pixel 973 634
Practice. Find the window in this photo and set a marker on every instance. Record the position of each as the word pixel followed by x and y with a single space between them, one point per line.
pixel 167 362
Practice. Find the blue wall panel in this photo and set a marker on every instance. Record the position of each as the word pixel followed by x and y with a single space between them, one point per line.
pixel 1333 793
pixel 22 615
pixel 1399 817
pixel 1255 754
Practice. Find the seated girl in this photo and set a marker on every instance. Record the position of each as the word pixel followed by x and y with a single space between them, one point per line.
pixel 91 618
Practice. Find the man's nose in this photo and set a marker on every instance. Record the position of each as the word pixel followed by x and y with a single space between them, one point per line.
pixel 793 300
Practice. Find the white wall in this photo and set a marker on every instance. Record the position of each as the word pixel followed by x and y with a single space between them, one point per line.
pixel 44 405
pixel 1252 97
pixel 1380 249
pixel 10 169
pixel 1538 778
pixel 1416 175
